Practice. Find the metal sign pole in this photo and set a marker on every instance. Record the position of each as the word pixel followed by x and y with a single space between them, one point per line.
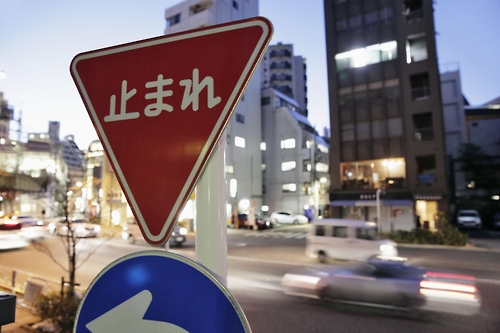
pixel 211 215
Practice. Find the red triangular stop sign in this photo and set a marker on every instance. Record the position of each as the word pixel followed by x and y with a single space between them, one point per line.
pixel 160 105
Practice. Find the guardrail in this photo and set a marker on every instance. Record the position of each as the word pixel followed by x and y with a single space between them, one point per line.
pixel 27 286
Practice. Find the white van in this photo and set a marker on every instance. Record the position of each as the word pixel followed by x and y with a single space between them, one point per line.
pixel 346 240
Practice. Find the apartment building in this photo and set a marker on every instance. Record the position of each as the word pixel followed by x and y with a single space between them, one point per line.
pixel 294 157
pixel 286 72
pixel 388 155
pixel 243 132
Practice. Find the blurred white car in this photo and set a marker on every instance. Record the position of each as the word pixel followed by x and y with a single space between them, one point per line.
pixel 82 228
pixel 11 240
pixel 387 282
pixel 287 217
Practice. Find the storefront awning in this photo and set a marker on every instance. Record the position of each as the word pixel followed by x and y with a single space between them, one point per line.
pixel 365 203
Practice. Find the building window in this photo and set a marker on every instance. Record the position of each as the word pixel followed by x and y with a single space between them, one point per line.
pixel 386 15
pixel 341 25
pixel 229 169
pixel 263 167
pixel 395 127
pixel 239 142
pixel 291 187
pixel 388 50
pixel 426 170
pixel 362 131
pixel 306 188
pixel 371 19
pixel 368 55
pixel 288 144
pixel 263 146
pixel 416 48
pixel 288 166
pixel 322 167
pixel 199 7
pixel 419 86
pixel 355 22
pixel 413 10
pixel 422 127
pixel 265 100
pixel 373 174
pixel 235 4
pixel 240 118
pixel 322 148
pixel 347 132
pixel 306 165
pixel 173 20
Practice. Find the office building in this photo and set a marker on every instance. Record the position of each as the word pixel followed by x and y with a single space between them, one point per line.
pixel 388 157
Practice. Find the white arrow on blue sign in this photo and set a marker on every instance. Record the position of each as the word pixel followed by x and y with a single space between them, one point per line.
pixel 158 291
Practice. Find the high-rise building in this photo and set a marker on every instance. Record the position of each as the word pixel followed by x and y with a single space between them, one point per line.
pixel 243 132
pixel 286 72
pixel 388 157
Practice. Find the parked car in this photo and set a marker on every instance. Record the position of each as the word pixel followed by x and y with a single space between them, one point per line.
pixel 469 219
pixel 82 228
pixel 287 217
pixel 132 233
pixel 260 221
pixel 388 282
pixel 346 240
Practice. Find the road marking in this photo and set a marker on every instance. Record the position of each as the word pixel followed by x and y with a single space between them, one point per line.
pixel 277 234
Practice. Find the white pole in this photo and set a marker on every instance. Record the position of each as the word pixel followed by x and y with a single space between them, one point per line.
pixel 211 215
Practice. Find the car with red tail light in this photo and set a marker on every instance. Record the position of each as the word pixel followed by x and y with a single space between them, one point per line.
pixel 387 282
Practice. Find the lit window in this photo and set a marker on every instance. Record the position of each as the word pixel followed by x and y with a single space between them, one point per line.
pixel 358 58
pixel 287 166
pixel 229 169
pixel 368 55
pixel 239 142
pixel 322 148
pixel 263 146
pixel 288 144
pixel 388 50
pixel 322 167
pixel 292 187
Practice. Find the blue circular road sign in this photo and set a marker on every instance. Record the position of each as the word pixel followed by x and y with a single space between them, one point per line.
pixel 158 291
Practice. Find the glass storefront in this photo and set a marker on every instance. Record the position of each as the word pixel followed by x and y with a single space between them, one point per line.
pixel 373 174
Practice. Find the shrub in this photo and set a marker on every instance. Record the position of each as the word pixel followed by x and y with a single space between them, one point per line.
pixel 60 309
pixel 446 234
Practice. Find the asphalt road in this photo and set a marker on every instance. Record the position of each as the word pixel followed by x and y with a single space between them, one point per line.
pixel 258 260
